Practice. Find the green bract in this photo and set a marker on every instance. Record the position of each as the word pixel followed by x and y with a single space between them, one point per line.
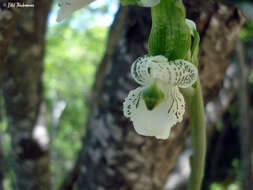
pixel 170 35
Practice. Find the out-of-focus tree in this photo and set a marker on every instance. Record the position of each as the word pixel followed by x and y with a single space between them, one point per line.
pixel 8 22
pixel 22 89
pixel 113 156
pixel 230 149
pixel 72 57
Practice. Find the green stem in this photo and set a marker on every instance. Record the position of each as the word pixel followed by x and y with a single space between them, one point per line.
pixel 170 36
pixel 198 133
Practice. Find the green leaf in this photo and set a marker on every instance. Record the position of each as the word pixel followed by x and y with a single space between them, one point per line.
pixel 170 35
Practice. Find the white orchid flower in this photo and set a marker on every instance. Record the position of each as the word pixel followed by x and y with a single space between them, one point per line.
pixel 67 7
pixel 166 106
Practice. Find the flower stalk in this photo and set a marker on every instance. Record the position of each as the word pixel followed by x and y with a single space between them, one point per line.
pixel 170 37
pixel 198 133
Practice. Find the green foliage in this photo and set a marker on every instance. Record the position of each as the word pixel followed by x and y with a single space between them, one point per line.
pixel 247 31
pixel 129 2
pixel 72 56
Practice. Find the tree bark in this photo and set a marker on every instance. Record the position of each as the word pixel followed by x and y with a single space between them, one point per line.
pixel 8 21
pixel 113 155
pixel 22 89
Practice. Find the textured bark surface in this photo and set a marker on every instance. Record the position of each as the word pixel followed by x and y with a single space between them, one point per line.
pixel 113 155
pixel 22 88
pixel 8 21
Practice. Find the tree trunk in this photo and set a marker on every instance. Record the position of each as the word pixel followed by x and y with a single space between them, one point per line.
pixel 113 155
pixel 22 89
pixel 8 21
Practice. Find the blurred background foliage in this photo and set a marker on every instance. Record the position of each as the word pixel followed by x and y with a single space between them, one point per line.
pixel 73 52
pixel 70 64
pixel 74 49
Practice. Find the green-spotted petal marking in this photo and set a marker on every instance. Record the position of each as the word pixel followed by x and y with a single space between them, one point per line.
pixel 170 35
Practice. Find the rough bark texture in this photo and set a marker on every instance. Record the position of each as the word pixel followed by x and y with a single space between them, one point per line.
pixel 22 88
pixel 8 21
pixel 113 155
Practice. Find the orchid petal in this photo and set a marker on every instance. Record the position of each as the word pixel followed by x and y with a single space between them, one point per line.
pixel 157 122
pixel 151 123
pixel 131 102
pixel 176 105
pixel 67 7
pixel 179 72
pixel 140 69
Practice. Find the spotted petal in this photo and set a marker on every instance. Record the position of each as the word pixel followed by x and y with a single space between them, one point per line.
pixel 67 7
pixel 176 105
pixel 140 69
pixel 131 102
pixel 179 72
pixel 159 121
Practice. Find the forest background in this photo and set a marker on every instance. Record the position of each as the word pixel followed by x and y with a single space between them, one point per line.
pixel 75 50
